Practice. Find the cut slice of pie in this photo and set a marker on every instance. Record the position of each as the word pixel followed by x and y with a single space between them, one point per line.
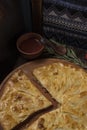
pixel 70 116
pixel 59 120
pixel 58 78
pixel 19 99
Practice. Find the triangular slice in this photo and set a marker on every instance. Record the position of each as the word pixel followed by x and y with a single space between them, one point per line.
pixel 63 118
pixel 58 78
pixel 19 99
pixel 57 120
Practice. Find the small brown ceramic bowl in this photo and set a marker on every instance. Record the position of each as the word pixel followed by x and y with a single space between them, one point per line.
pixel 30 46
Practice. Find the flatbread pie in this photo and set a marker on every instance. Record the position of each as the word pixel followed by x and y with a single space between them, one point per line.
pixel 64 82
pixel 20 99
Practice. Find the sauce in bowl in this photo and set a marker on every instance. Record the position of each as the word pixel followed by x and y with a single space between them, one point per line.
pixel 30 45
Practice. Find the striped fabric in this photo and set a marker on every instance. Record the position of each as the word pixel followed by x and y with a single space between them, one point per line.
pixel 66 21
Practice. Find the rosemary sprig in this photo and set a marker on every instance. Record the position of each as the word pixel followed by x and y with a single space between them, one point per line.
pixel 70 54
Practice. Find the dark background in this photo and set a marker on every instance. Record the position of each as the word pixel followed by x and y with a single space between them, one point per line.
pixel 15 19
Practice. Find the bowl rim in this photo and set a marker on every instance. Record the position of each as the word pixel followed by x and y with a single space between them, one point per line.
pixel 25 37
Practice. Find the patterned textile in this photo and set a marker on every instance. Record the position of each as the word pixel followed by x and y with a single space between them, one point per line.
pixel 65 21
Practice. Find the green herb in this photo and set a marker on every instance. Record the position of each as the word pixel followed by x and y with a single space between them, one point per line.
pixel 69 56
